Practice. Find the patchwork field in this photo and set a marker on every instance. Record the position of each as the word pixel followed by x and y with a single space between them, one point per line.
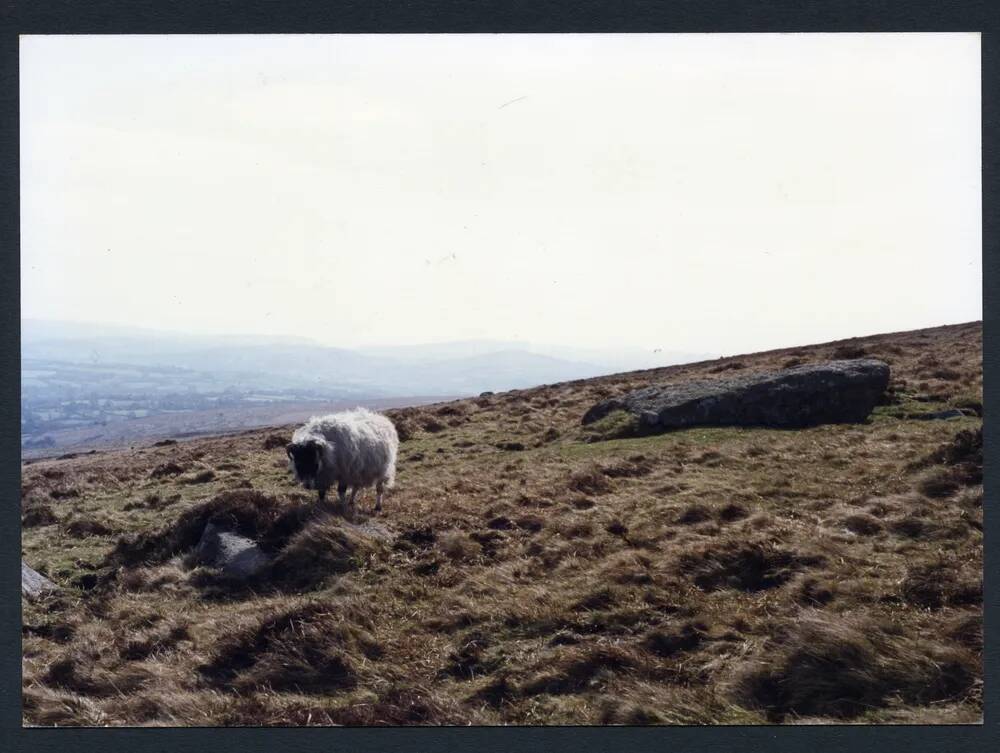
pixel 531 570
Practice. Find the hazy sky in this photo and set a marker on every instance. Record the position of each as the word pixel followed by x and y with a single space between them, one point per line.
pixel 721 193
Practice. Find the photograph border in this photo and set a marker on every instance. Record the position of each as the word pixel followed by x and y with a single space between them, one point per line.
pixel 371 16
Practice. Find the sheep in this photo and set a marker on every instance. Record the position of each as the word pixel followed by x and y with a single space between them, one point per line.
pixel 352 449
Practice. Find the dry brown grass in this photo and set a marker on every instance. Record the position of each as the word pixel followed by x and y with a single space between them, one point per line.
pixel 528 570
pixel 845 667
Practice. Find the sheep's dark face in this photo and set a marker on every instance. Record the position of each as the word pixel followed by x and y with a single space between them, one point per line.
pixel 305 461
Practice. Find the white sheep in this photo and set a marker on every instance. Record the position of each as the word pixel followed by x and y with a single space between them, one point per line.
pixel 352 449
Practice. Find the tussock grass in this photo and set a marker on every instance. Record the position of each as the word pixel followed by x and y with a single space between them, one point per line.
pixel 616 425
pixel 843 667
pixel 39 515
pixel 311 648
pixel 252 514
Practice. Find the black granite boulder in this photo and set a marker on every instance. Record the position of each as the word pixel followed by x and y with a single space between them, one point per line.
pixel 808 395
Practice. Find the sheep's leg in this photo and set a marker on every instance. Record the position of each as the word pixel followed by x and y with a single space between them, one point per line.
pixel 342 495
pixel 325 505
pixel 379 491
pixel 354 493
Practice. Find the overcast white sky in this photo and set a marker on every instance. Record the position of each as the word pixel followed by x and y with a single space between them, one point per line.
pixel 720 193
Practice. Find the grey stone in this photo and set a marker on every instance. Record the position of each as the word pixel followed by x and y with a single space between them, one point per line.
pixel 34 584
pixel 369 529
pixel 235 555
pixel 808 395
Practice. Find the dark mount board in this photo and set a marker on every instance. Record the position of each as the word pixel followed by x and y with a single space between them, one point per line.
pixel 372 16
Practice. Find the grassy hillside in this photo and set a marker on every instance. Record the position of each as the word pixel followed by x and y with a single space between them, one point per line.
pixel 528 570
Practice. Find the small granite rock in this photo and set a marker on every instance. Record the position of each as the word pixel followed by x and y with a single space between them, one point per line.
pixel 34 584
pixel 235 555
pixel 369 529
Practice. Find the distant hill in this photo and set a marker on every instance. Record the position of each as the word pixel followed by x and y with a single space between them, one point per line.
pixel 604 360
pixel 449 368
pixel 76 376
